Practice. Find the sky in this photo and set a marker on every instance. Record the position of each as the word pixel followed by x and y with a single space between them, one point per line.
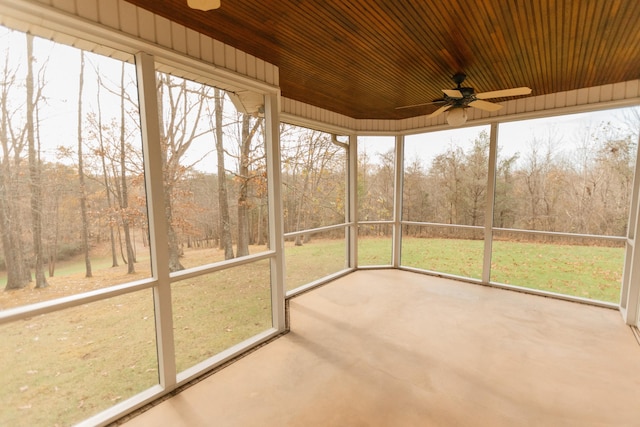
pixel 566 132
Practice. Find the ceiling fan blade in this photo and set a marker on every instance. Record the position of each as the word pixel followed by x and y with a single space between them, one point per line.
pixel 437 101
pixel 203 4
pixel 453 93
pixel 439 111
pixel 485 105
pixel 504 93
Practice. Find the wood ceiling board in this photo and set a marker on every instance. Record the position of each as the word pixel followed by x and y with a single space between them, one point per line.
pixel 364 58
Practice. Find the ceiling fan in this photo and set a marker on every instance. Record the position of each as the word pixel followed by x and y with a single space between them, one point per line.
pixel 456 101
pixel 203 4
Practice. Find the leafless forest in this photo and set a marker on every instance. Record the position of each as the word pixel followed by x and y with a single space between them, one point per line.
pixel 70 182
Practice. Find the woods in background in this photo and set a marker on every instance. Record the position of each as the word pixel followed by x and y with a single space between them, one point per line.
pixel 72 170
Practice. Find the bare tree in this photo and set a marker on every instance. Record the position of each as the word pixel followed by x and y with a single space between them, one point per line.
pixel 124 193
pixel 83 195
pixel 12 139
pixel 34 168
pixel 245 178
pixel 101 152
pixel 182 104
pixel 477 160
pixel 223 200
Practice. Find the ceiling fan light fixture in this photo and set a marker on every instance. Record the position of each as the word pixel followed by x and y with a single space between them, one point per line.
pixel 457 116
pixel 203 4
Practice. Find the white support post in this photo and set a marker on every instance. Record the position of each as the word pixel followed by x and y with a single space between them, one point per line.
pixel 488 212
pixel 352 202
pixel 276 221
pixel 397 202
pixel 630 292
pixel 150 127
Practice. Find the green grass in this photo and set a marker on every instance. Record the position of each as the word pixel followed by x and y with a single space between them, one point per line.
pixel 585 271
pixel 453 256
pixel 374 251
pixel 60 368
pixel 214 312
pixel 313 261
pixel 592 272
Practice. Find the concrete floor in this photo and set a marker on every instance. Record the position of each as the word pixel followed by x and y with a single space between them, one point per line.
pixel 393 348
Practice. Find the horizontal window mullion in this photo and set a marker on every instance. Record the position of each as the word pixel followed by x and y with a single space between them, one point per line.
pixel 223 265
pixel 58 304
pixel 317 230
pixel 381 222
pixel 436 224
pixel 563 234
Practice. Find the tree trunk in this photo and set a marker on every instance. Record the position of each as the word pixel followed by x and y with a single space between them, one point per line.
pixel 18 274
pixel 34 173
pixel 131 269
pixel 17 277
pixel 243 194
pixel 53 246
pixel 107 188
pixel 174 248
pixel 83 195
pixel 223 201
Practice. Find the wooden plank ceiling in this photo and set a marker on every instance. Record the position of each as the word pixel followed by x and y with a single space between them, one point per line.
pixel 364 58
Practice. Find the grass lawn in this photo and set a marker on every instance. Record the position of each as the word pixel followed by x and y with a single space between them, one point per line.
pixel 69 365
pixel 313 261
pixel 593 272
pixel 60 368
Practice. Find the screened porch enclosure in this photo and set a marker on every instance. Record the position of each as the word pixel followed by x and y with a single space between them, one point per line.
pixel 163 203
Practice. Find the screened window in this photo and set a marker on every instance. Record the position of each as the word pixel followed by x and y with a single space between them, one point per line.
pixel 314 182
pixel 73 213
pixel 573 175
pixel 445 189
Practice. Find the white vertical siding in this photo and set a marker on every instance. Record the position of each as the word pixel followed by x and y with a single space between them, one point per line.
pixel 146 27
pixel 128 18
pixel 178 37
pixel 87 9
pixel 108 13
pixel 66 5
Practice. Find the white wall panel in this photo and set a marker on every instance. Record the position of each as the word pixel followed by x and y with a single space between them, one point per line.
pixel 146 25
pixel 178 37
pixel 193 43
pixel 87 9
pixel 593 95
pixel 163 31
pixel 206 48
pixel 108 13
pixel 65 5
pixel 571 98
pixel 549 102
pixel 560 100
pixel 128 18
pixel 633 88
pixel 606 93
pixel 218 53
pixel 583 97
pixel 229 57
pixel 241 62
pixel 252 67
